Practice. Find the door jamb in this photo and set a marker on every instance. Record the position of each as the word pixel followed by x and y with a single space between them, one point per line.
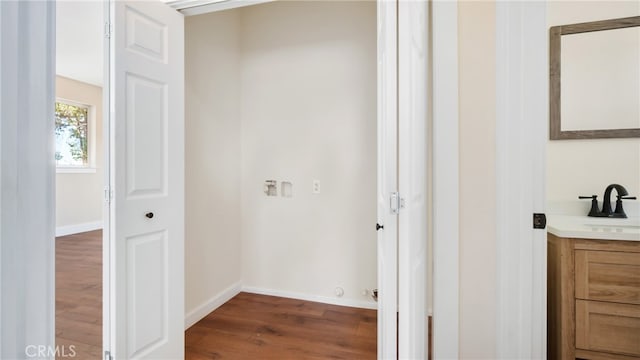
pixel 108 194
pixel 27 209
pixel 445 175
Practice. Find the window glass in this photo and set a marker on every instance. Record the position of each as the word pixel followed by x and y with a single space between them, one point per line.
pixel 72 135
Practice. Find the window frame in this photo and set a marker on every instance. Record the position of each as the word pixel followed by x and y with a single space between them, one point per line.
pixel 90 167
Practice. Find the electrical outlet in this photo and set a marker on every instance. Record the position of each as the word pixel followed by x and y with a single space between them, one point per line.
pixel 316 187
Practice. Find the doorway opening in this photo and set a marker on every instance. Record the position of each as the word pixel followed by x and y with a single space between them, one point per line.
pixel 139 87
pixel 281 154
pixel 80 177
pixel 593 236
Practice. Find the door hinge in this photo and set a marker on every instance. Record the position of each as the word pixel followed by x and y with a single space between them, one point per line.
pixel 539 221
pixel 107 355
pixel 396 203
pixel 107 30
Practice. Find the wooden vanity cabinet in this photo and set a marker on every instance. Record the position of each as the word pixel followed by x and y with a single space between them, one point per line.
pixel 593 299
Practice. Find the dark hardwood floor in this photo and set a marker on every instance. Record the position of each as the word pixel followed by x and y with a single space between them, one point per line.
pixel 79 294
pixel 251 326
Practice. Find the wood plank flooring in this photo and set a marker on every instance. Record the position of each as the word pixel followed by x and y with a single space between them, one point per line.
pixel 251 326
pixel 79 294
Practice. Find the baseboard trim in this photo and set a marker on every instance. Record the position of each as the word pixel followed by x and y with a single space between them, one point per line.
pixel 215 302
pixel 78 228
pixel 307 297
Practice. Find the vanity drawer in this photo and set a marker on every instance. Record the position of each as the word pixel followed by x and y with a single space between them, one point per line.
pixel 608 327
pixel 607 276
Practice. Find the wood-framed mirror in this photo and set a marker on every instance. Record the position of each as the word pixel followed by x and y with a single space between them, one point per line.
pixel 594 80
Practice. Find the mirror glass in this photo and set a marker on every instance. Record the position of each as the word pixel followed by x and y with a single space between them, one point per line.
pixel 594 79
pixel 600 80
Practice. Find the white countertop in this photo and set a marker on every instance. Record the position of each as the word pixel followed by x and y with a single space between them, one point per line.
pixel 584 227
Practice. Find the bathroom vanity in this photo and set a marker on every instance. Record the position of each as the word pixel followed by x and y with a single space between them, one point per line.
pixel 593 259
pixel 593 283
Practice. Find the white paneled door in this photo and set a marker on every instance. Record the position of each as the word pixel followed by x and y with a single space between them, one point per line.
pixel 388 200
pixel 146 274
pixel 402 179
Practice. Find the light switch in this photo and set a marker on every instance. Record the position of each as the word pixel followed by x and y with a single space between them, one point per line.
pixel 316 187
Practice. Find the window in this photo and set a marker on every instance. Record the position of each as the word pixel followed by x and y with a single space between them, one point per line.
pixel 73 137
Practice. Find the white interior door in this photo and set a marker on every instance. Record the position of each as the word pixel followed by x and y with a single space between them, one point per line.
pixel 147 180
pixel 387 181
pixel 413 97
pixel 402 179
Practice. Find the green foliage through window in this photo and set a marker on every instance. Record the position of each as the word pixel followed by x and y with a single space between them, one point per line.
pixel 71 135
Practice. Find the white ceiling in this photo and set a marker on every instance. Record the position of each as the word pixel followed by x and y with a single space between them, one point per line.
pixel 79 40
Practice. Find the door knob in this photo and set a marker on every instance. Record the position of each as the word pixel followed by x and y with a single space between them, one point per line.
pixel 149 215
pixel 378 227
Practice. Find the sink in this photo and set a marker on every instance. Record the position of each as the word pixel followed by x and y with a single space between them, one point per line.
pixel 583 227
pixel 619 226
pixel 614 223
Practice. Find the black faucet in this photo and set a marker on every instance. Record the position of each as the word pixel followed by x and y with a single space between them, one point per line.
pixel 606 205
pixel 622 194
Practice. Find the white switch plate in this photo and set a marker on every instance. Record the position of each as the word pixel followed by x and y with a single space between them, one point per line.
pixel 316 187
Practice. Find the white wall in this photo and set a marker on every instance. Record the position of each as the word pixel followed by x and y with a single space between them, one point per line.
pixel 272 92
pixel 573 167
pixel 212 158
pixel 308 83
pixel 586 167
pixel 79 195
pixel 477 126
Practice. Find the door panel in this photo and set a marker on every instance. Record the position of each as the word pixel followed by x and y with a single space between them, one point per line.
pixel 145 155
pixel 147 179
pixel 146 36
pixel 147 285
